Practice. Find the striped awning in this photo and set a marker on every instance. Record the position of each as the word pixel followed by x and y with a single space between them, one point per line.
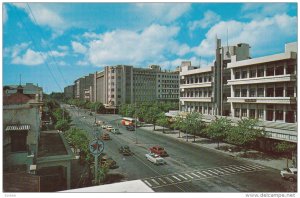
pixel 22 127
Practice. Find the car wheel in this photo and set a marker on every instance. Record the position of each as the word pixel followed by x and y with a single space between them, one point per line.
pixel 291 179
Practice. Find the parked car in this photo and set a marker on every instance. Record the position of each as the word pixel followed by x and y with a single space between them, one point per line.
pixel 103 126
pixel 159 151
pixel 109 127
pixel 125 150
pixel 130 128
pixel 154 158
pixel 109 162
pixel 105 136
pixel 99 123
pixel 115 131
pixel 289 173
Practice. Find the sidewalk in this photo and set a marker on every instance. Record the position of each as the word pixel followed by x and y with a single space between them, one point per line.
pixel 228 149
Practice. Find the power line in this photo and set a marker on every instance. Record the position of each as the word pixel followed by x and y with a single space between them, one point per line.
pixel 35 46
pixel 51 55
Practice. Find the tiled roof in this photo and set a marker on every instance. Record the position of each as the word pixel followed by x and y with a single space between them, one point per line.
pixel 16 98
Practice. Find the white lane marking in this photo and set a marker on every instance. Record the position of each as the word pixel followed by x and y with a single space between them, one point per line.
pixel 229 169
pixel 220 172
pixel 213 172
pixel 163 181
pixel 247 168
pixel 189 176
pixel 154 181
pixel 176 178
pixel 255 166
pixel 201 174
pixel 182 176
pixel 226 171
pixel 147 183
pixel 207 173
pixel 170 180
pixel 195 175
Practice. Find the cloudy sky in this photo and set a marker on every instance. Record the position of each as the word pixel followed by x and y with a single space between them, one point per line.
pixel 53 44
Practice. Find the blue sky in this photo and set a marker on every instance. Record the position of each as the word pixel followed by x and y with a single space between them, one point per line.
pixel 53 44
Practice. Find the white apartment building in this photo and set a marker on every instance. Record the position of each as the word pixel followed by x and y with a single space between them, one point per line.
pixel 266 88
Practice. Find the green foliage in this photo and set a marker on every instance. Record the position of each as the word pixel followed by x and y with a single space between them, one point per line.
pixel 102 173
pixel 62 125
pixel 162 121
pixel 286 148
pixel 245 133
pixel 218 129
pixel 152 115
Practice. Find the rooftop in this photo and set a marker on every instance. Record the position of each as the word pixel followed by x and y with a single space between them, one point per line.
pixel 51 144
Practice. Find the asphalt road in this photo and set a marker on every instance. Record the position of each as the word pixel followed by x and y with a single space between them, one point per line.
pixel 188 168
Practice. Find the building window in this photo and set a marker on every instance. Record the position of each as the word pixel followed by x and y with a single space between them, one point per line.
pixel 18 141
pixel 244 74
pixel 200 79
pixel 290 69
pixel 237 75
pixel 290 117
pixel 270 92
pixel 260 113
pixel 237 112
pixel 279 92
pixel 279 70
pixel 260 72
pixel 289 92
pixel 270 115
pixel 270 71
pixel 244 112
pixel 244 92
pixel 260 92
pixel 278 115
pixel 252 113
pixel 252 73
pixel 252 92
pixel 237 93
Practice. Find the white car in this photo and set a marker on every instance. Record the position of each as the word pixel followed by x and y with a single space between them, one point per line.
pixel 103 126
pixel 109 128
pixel 154 158
pixel 289 173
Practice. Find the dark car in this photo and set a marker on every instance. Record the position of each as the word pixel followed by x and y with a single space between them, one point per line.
pixel 130 128
pixel 125 150
pixel 109 162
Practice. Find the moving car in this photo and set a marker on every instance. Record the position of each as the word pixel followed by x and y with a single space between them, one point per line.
pixel 105 136
pixel 130 128
pixel 154 158
pixel 125 150
pixel 159 151
pixel 109 128
pixel 103 126
pixel 115 131
pixel 289 173
pixel 109 162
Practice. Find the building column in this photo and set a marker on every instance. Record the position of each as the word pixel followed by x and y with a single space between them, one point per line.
pixel 265 90
pixel 284 89
pixel 248 111
pixel 248 87
pixel 265 70
pixel 284 113
pixel 265 112
pixel 284 67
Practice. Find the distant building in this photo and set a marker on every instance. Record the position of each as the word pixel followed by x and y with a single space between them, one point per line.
pixel 82 87
pixel 28 89
pixel 69 91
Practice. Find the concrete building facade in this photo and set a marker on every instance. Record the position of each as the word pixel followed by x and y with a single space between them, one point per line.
pixel 69 91
pixel 83 87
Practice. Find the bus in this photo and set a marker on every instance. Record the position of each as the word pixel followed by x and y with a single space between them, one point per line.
pixel 128 121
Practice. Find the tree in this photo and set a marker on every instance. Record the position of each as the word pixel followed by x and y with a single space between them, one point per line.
pixel 245 133
pixel 163 121
pixel 153 115
pixel 193 123
pixel 62 125
pixel 218 129
pixel 286 148
pixel 177 123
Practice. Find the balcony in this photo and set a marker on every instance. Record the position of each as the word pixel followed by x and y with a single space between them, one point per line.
pixel 195 85
pixel 263 100
pixel 196 99
pixel 265 79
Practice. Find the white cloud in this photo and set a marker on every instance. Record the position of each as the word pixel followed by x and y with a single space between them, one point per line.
pixel 82 63
pixel 44 16
pixel 91 35
pixel 57 53
pixel 196 61
pixel 129 47
pixel 261 10
pixel 62 63
pixel 78 47
pixel 209 19
pixel 63 47
pixel 4 14
pixel 163 12
pixel 29 58
pixel 258 33
pixel 15 51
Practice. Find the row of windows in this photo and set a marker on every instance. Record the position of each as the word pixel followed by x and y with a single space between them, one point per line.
pixel 169 86
pixel 197 94
pixel 261 92
pixel 196 80
pixel 168 76
pixel 169 81
pixel 261 72
pixel 168 91
pixel 200 109
pixel 167 96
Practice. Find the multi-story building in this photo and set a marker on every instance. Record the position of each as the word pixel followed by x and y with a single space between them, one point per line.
pixel 205 89
pixel 124 84
pixel 83 87
pixel 69 91
pixel 266 88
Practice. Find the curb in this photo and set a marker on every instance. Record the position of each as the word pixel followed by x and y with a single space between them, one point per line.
pixel 210 149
